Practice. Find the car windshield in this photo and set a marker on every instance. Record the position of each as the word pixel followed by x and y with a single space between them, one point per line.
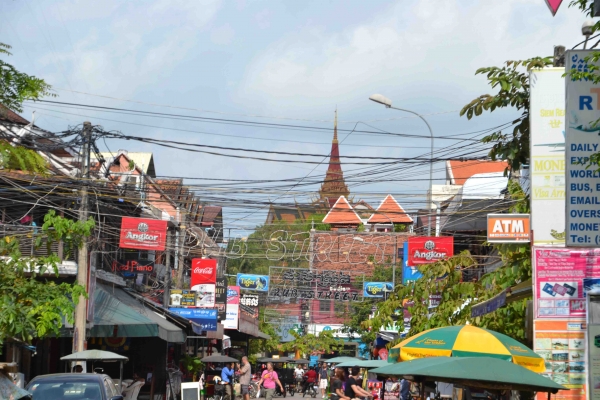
pixel 78 390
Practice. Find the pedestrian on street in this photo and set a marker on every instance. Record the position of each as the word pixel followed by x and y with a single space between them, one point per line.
pixel 337 386
pixel 298 374
pixel 405 390
pixel 270 379
pixel 245 378
pixel 323 378
pixel 227 378
pixel 353 389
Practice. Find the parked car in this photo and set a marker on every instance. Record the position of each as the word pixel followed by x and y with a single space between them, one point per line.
pixel 73 386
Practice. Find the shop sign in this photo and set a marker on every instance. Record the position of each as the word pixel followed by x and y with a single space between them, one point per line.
pixel 582 179
pixel 409 273
pixel 143 234
pixel 547 150
pixel 221 298
pixel 429 249
pixel 185 298
pixel 249 305
pixel 489 306
pixel 130 268
pixel 233 308
pixel 206 318
pixel 377 289
pixel 562 279
pixel 253 282
pixel 301 283
pixel 204 270
pixel 508 228
pixel 205 295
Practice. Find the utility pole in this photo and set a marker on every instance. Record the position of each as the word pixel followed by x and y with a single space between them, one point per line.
pixel 166 293
pixel 179 239
pixel 82 257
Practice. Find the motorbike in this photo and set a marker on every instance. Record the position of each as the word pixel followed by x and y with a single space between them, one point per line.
pixel 309 388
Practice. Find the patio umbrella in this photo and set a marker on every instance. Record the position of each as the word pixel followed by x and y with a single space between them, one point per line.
pixel 274 360
pixel 337 360
pixel 468 341
pixel 219 359
pixel 480 372
pixel 300 361
pixel 364 363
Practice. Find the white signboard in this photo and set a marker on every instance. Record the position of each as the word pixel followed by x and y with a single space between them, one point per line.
pixel 547 168
pixel 583 181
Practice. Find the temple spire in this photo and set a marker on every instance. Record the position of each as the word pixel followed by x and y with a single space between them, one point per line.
pixel 334 186
pixel 335 139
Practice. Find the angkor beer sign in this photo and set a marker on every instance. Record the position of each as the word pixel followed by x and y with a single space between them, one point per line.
pixel 143 234
pixel 300 283
pixel 429 249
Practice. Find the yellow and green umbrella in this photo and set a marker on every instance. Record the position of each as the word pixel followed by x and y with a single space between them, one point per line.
pixel 468 341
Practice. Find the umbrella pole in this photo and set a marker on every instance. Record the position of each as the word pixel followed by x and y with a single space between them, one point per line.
pixel 549 395
pixel 121 377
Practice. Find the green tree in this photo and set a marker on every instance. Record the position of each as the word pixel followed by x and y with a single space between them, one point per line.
pixel 33 306
pixel 322 343
pixel 16 87
pixel 264 345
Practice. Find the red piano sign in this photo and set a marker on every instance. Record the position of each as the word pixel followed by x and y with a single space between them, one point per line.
pixel 133 266
pixel 143 234
pixel 428 249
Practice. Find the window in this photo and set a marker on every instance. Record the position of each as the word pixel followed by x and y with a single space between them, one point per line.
pixel 324 306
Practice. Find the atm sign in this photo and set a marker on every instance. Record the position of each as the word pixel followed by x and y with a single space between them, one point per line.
pixel 508 228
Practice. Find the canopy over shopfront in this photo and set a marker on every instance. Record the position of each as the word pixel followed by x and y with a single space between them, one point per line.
pixel 117 314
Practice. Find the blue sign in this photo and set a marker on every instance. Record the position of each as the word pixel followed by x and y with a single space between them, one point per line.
pixel 377 289
pixel 313 361
pixel 409 274
pixel 326 328
pixel 253 282
pixel 205 317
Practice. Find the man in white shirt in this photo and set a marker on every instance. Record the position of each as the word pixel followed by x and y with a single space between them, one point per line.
pixel 298 373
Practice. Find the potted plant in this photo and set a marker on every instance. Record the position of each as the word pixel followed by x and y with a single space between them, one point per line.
pixel 192 365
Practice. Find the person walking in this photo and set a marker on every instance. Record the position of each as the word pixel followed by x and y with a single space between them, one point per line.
pixel 227 379
pixel 405 390
pixel 353 389
pixel 270 379
pixel 323 378
pixel 245 378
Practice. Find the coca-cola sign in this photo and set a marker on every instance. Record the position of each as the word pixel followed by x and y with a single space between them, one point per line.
pixel 204 271
pixel 143 234
pixel 428 249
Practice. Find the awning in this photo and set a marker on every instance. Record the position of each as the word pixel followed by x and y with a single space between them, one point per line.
pixel 118 314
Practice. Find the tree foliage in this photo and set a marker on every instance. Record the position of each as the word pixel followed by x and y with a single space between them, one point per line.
pixel 512 82
pixel 323 343
pixel 16 87
pixel 32 304
pixel 21 158
pixel 458 297
pixel 264 345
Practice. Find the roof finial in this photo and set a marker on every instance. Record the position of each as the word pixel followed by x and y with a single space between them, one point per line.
pixel 335 139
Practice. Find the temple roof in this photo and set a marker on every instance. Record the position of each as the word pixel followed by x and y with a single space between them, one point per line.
pixel 333 185
pixel 390 211
pixel 342 213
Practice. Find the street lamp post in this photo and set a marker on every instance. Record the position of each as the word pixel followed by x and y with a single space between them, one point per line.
pixel 378 98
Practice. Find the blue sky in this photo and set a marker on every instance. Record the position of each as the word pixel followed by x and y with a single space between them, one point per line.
pixel 286 61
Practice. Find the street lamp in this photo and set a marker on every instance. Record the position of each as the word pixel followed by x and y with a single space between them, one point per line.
pixel 381 99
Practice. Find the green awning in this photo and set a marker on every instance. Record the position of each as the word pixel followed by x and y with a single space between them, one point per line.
pixel 117 314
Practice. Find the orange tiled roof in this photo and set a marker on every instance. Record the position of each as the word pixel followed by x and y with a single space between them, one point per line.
pixel 390 210
pixel 342 213
pixel 460 171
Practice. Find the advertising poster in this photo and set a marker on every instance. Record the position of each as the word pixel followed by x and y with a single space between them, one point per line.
pixel 253 282
pixel 233 307
pixel 547 167
pixel 221 298
pixel 562 279
pixel 249 305
pixel 561 343
pixel 508 228
pixel 594 360
pixel 429 249
pixel 582 180
pixel 205 318
pixel 409 273
pixel 143 234
pixel 204 270
pixel 182 298
pixel 205 295
pixel 377 289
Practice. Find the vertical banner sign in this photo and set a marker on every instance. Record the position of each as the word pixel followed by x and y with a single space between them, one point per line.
pixel 204 271
pixel 409 273
pixel 429 249
pixel 547 149
pixel 221 298
pixel 583 180
pixel 233 307
pixel 249 305
pixel 143 234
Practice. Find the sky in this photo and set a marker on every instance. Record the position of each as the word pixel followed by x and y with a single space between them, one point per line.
pixel 279 62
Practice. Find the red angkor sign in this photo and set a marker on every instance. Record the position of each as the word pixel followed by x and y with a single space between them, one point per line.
pixel 429 249
pixel 143 234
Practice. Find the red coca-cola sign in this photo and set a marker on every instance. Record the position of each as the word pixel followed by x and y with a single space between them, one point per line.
pixel 429 249
pixel 143 234
pixel 204 271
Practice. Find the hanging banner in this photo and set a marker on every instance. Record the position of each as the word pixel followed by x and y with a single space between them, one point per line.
pixel 205 295
pixel 253 282
pixel 180 298
pixel 221 298
pixel 508 228
pixel 249 305
pixel 377 289
pixel 204 270
pixel 547 149
pixel 301 283
pixel 233 308
pixel 143 234
pixel 206 318
pixel 583 180
pixel 563 277
pixel 429 249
